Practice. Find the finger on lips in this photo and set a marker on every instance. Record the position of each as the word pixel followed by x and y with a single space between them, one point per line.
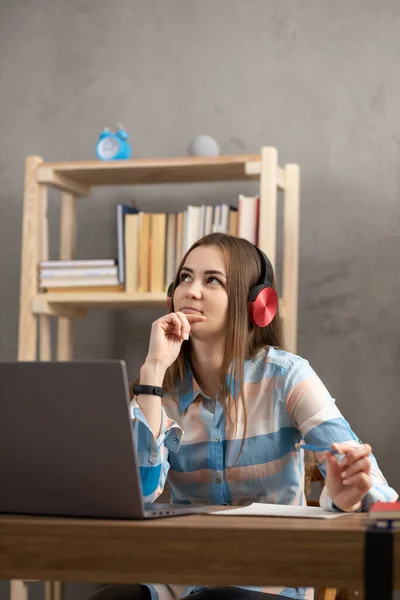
pixel 185 320
pixel 174 325
pixel 194 317
pixel 184 325
pixel 178 323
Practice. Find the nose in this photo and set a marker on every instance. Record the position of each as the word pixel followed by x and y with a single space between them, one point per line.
pixel 193 290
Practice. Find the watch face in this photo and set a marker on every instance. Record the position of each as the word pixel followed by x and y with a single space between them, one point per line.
pixel 108 148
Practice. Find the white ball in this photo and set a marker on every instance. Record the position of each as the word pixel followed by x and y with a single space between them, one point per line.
pixel 203 145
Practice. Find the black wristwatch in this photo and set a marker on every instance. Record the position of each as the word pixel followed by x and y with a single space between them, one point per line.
pixel 153 390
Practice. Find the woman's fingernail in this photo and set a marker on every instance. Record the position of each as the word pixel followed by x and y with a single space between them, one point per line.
pixel 186 336
pixel 344 473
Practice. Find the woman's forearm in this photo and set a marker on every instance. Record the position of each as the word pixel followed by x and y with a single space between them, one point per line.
pixel 150 405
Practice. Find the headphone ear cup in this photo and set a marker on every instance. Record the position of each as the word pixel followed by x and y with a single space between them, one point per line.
pixel 169 295
pixel 262 305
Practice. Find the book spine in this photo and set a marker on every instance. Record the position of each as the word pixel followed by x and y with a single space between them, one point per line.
pixel 77 264
pixel 82 272
pixel 85 281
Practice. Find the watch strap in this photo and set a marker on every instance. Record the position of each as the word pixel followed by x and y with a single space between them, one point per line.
pixel 152 390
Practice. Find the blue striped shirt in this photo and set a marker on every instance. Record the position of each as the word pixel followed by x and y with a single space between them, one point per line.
pixel 199 452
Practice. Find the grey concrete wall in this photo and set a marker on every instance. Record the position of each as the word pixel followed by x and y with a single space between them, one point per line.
pixel 318 80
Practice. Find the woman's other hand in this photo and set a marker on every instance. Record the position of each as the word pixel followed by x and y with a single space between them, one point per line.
pixel 348 480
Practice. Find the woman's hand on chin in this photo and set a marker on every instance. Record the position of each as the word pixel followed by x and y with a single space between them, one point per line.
pixel 167 334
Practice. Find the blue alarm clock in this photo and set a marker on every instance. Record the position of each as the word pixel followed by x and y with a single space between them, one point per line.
pixel 113 145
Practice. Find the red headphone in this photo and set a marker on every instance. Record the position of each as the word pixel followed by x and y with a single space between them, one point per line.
pixel 263 299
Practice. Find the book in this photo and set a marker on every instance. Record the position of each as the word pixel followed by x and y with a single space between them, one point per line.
pixel 385 511
pixel 216 218
pixel 122 211
pixel 179 241
pixel 208 219
pixel 81 272
pixel 131 252
pixel 248 218
pixel 170 249
pixel 233 221
pixel 65 282
pixel 202 220
pixel 224 218
pixel 82 289
pixel 144 252
pixel 191 226
pixel 78 263
pixel 157 253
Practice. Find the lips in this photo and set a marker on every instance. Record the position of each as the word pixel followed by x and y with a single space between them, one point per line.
pixel 191 310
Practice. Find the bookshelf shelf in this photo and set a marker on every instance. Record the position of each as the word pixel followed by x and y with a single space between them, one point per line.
pixel 154 171
pixel 75 179
pixel 53 303
pixel 43 302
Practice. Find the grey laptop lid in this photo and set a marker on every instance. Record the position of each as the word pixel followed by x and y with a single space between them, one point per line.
pixel 66 444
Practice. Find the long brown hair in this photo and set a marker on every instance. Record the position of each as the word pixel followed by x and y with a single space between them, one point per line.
pixel 243 340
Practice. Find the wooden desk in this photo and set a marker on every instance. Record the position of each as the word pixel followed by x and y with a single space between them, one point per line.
pixel 194 548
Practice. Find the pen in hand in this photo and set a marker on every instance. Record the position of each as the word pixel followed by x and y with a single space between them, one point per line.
pixel 316 448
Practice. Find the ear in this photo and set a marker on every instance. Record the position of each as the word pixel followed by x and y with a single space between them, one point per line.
pixel 169 295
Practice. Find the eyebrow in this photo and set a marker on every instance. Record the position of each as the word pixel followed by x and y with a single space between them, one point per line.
pixel 208 272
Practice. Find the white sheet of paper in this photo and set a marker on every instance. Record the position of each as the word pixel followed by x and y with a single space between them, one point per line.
pixel 280 510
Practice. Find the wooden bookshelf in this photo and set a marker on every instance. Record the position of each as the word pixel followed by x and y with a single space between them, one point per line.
pixel 75 179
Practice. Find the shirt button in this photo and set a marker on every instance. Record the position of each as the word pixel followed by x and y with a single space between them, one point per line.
pixel 175 440
pixel 218 480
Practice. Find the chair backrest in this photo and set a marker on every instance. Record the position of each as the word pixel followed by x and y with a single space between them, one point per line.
pixel 314 475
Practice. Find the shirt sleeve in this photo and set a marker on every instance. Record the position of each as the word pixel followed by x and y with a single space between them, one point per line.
pixel 320 422
pixel 152 453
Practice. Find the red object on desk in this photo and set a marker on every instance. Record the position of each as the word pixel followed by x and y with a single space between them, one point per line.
pixel 384 510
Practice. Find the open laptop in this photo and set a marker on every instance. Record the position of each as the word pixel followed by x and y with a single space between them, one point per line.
pixel 66 445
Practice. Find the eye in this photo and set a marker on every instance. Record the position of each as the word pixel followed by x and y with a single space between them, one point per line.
pixel 214 280
pixel 184 277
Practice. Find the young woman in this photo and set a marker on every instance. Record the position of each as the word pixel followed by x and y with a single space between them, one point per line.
pixel 235 405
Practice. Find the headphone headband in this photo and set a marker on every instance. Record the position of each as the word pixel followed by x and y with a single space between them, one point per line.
pixel 262 299
pixel 267 272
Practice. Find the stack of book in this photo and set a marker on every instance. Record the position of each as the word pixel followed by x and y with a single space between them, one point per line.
pixel 385 515
pixel 79 275
pixel 151 245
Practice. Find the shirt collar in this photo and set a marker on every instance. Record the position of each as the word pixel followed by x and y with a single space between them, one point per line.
pixel 191 389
